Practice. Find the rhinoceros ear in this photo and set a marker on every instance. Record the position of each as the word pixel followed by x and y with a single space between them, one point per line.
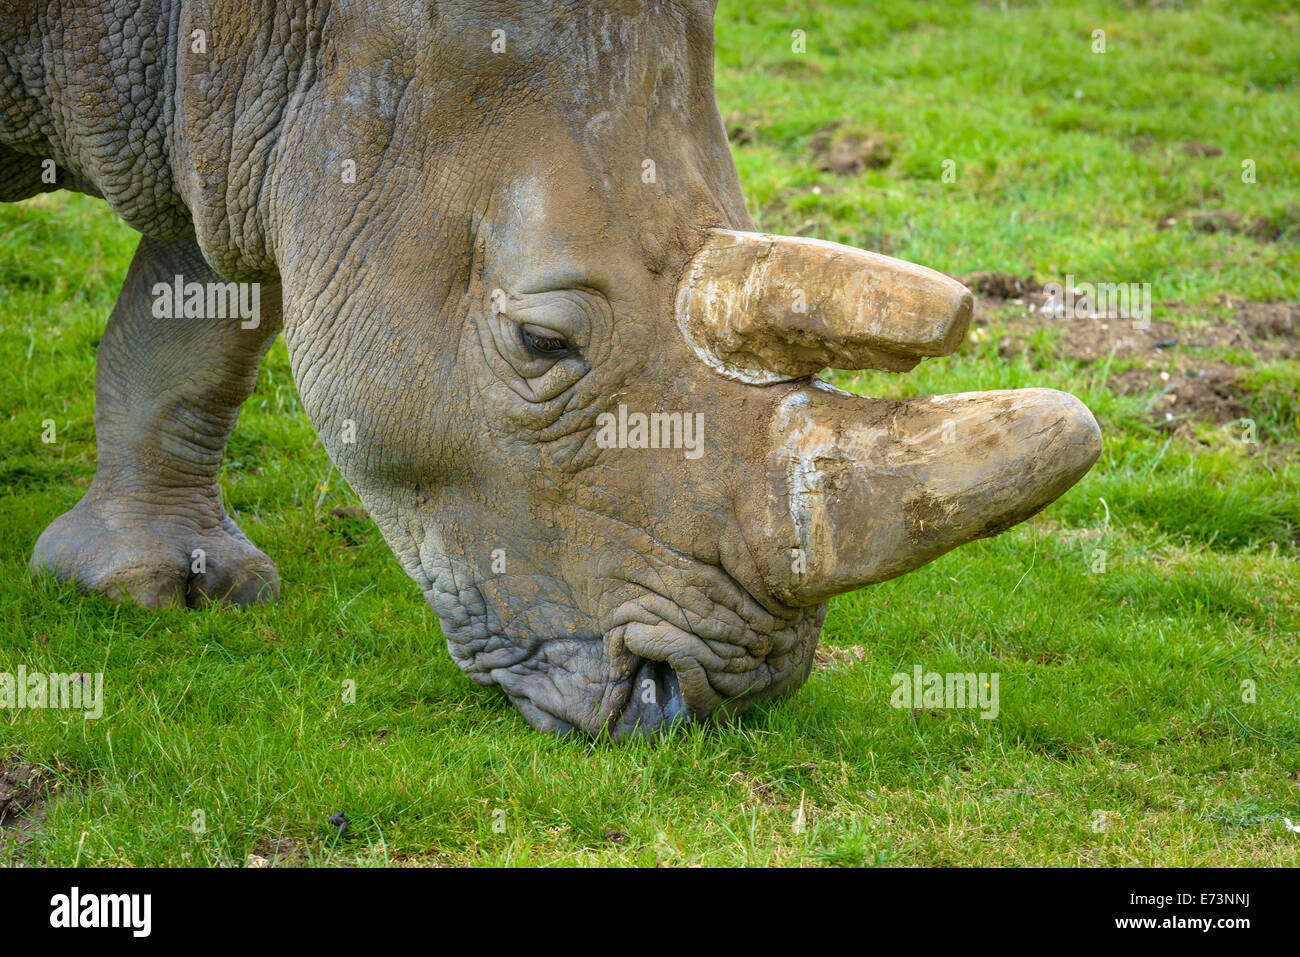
pixel 762 308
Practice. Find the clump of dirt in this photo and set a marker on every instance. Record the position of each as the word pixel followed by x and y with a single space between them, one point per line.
pixel 847 152
pixel 354 512
pixel 25 792
pixel 1195 148
pixel 1002 285
pixel 277 852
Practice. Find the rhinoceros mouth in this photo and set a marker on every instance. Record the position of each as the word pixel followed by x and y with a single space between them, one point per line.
pixel 655 702
pixel 688 671
pixel 656 662
pixel 640 636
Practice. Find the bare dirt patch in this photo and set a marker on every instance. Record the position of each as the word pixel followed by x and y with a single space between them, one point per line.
pixel 847 152
pixel 277 852
pixel 1271 320
pixel 1212 393
pixel 1269 330
pixel 25 792
pixel 1174 362
pixel 1264 229
pixel 1094 340
pixel 1082 339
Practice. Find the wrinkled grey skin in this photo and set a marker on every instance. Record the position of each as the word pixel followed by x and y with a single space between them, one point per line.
pixel 637 587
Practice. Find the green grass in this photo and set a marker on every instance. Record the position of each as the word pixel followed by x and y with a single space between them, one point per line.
pixel 1123 736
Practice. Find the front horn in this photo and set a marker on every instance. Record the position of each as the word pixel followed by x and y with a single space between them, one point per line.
pixel 762 308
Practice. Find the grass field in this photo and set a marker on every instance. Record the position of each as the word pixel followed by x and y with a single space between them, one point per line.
pixel 1146 628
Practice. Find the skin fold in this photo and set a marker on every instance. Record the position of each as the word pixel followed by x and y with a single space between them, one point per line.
pixel 473 223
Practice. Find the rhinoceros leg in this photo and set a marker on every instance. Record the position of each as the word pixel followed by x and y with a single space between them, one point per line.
pixel 152 528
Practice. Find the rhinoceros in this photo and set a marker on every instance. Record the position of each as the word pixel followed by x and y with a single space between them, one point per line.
pixel 532 322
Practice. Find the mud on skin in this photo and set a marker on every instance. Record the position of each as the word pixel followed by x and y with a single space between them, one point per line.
pixel 479 233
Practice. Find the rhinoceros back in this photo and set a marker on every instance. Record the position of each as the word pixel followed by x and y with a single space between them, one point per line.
pixel 85 104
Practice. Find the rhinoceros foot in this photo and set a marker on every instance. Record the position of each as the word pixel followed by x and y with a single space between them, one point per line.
pixel 161 562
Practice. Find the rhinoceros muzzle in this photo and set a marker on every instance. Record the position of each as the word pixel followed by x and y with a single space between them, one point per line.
pixel 860 490
pixel 821 492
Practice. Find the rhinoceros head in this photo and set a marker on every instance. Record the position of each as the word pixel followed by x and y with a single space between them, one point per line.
pixel 540 337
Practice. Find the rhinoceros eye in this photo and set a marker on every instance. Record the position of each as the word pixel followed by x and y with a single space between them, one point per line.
pixel 543 342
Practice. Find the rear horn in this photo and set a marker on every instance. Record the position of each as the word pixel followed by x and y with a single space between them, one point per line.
pixel 762 308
